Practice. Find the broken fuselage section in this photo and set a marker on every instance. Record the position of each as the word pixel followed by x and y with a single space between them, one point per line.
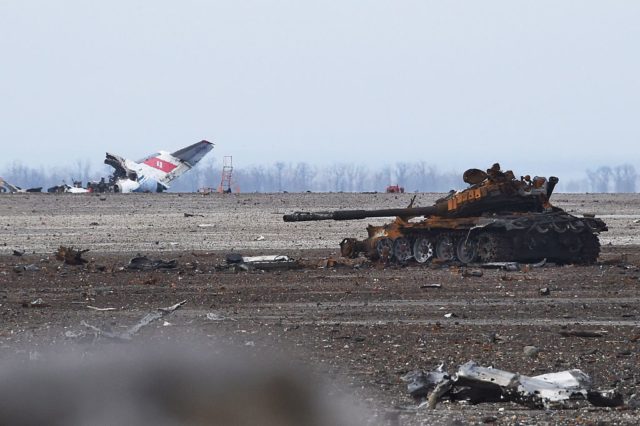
pixel 497 218
pixel 155 172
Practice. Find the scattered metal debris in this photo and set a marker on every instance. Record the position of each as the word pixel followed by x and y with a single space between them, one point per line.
pixel 262 259
pixel 18 253
pixel 342 262
pixel 507 266
pixel 477 384
pixel 6 187
pixel 420 383
pixel 431 286
pixel 513 266
pixel 193 215
pixel 270 262
pixel 95 308
pixel 143 263
pixel 26 268
pixel 545 291
pixel 71 256
pixel 38 303
pixel 214 316
pixel 466 273
pixel 127 335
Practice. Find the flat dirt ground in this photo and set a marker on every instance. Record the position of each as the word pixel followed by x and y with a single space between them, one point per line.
pixel 361 326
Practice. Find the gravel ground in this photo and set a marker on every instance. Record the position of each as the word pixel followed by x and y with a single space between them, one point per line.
pixel 115 223
pixel 362 327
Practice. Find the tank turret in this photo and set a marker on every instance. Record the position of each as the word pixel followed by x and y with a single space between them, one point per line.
pixel 497 218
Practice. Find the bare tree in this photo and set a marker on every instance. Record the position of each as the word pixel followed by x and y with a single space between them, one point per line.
pixel 426 176
pixel 402 170
pixel 303 177
pixel 382 178
pixel 624 178
pixel 279 167
pixel 337 174
pixel 599 179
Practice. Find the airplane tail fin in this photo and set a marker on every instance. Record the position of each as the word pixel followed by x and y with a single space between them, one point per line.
pixel 193 153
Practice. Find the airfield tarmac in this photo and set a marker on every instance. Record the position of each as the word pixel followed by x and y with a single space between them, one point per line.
pixel 363 327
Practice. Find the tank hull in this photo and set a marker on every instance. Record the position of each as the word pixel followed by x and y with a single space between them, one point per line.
pixel 524 237
pixel 497 218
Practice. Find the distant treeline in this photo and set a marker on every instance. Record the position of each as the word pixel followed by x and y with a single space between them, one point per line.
pixel 300 177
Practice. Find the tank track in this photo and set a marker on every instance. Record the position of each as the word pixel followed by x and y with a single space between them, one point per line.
pixel 579 245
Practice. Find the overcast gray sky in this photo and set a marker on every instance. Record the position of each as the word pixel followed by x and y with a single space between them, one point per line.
pixel 544 87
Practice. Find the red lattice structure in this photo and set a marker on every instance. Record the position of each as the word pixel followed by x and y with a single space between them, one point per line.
pixel 227 172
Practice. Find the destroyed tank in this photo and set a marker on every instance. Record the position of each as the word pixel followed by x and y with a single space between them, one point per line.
pixel 497 218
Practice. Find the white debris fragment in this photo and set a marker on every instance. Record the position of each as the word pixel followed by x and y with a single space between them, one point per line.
pixel 475 383
pixel 274 258
pixel 95 308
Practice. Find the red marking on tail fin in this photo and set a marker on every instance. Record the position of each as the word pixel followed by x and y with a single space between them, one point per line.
pixel 160 164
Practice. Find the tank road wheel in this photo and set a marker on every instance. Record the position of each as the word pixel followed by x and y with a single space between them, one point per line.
pixel 445 250
pixel 467 249
pixel 543 228
pixel 422 250
pixel 573 244
pixel 577 226
pixel 384 248
pixel 487 247
pixel 560 227
pixel 402 250
pixel 590 248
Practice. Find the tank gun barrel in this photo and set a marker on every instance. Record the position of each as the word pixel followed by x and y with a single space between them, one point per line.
pixel 360 214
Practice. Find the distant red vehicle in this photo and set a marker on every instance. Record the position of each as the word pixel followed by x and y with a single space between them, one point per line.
pixel 395 189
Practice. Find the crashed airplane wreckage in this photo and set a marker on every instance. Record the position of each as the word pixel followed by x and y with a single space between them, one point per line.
pixel 497 218
pixel 6 187
pixel 476 384
pixel 155 172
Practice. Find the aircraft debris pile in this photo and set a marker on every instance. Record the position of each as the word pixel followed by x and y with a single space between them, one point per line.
pixel 6 187
pixel 151 174
pixel 155 172
pixel 498 218
pixel 476 384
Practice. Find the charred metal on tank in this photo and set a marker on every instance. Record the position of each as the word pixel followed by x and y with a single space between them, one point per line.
pixel 497 218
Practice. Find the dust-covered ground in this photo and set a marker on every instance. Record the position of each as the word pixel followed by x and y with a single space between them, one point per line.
pixel 362 327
